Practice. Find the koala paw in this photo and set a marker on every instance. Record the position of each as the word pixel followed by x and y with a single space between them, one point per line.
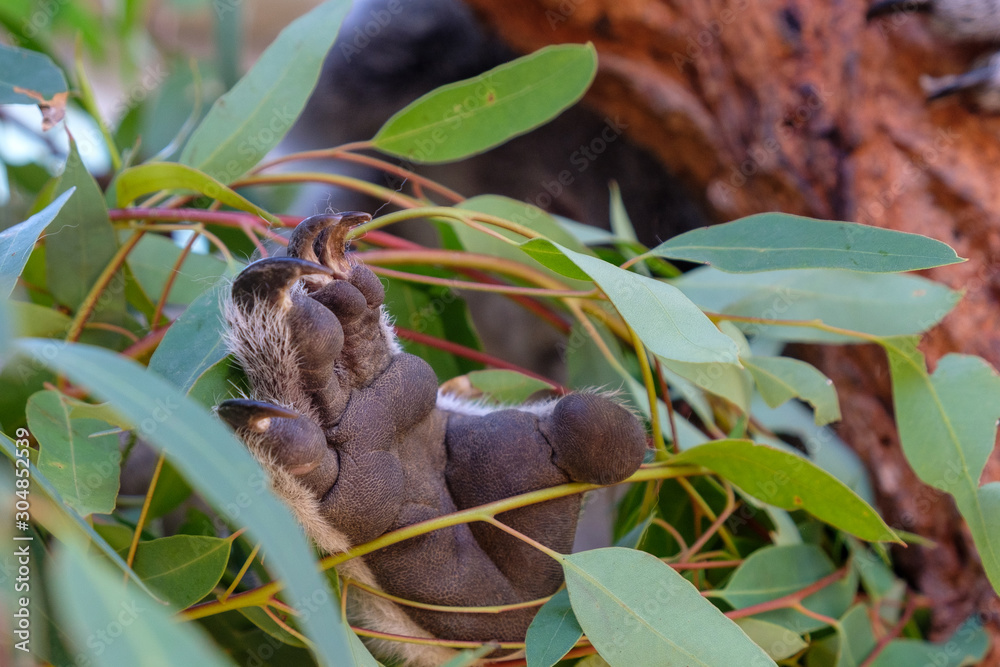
pixel 357 443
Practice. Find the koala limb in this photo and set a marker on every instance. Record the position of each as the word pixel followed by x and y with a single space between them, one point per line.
pixel 357 443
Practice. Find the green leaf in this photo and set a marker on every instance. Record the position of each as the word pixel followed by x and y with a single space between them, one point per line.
pixel 947 425
pixel 194 342
pixel 779 642
pixel 65 522
pixel 152 263
pixel 34 320
pixel 29 77
pixel 171 490
pixel 637 611
pixel 84 468
pixel 621 224
pixel 259 617
pixel 781 378
pixel 776 571
pixel 522 213
pixel 967 646
pixel 727 380
pixel 849 645
pixel 116 625
pixel 217 465
pixel 472 116
pixel 553 632
pixel 790 482
pixel 773 241
pixel 667 322
pixel 507 387
pixel 182 569
pixel 250 120
pixel 81 243
pixel 144 179
pixel 880 305
pixel 17 242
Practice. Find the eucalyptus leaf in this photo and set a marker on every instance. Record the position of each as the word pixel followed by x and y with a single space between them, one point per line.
pixel 217 465
pixel 37 321
pixel 553 632
pixel 80 244
pixel 182 569
pixel 30 77
pixel 967 646
pixel 66 523
pixel 779 642
pixel 782 378
pixel 667 322
pixel 772 241
pixel 875 304
pixel 849 646
pixel 790 482
pixel 472 116
pixel 947 426
pixel 638 611
pixel 260 618
pixel 83 467
pixel 112 624
pixel 194 342
pixel 144 179
pixel 250 120
pixel 777 571
pixel 17 242
pixel 506 386
pixel 152 262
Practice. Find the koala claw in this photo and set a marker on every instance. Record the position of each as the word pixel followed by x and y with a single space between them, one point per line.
pixel 270 279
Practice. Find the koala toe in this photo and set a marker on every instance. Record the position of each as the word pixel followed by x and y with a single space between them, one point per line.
pixel 594 439
pixel 286 439
pixel 323 239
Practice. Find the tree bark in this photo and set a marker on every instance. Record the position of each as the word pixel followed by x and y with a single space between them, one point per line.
pixel 802 107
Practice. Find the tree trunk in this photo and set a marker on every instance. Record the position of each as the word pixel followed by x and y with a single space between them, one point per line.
pixel 804 108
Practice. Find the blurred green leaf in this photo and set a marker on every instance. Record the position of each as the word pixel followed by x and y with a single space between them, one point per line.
pixel 144 179
pixel 17 242
pixel 505 386
pixel 216 463
pixel 469 117
pixel 948 425
pixel 782 378
pixel 522 213
pixel 553 632
pixel 67 522
pixel 967 646
pixel 790 482
pixel 92 602
pixel 779 642
pixel 33 320
pixel 637 611
pixel 83 467
pixel 469 657
pixel 182 569
pixel 250 120
pixel 152 263
pixel 877 304
pixel 29 77
pixel 772 241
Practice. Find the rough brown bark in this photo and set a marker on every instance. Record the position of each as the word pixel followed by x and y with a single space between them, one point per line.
pixel 801 107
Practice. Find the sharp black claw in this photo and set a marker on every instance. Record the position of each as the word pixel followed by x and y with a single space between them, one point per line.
pixel 243 413
pixel 270 278
pixel 323 239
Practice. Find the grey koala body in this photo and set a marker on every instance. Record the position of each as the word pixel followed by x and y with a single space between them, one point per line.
pixel 961 21
pixel 358 443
